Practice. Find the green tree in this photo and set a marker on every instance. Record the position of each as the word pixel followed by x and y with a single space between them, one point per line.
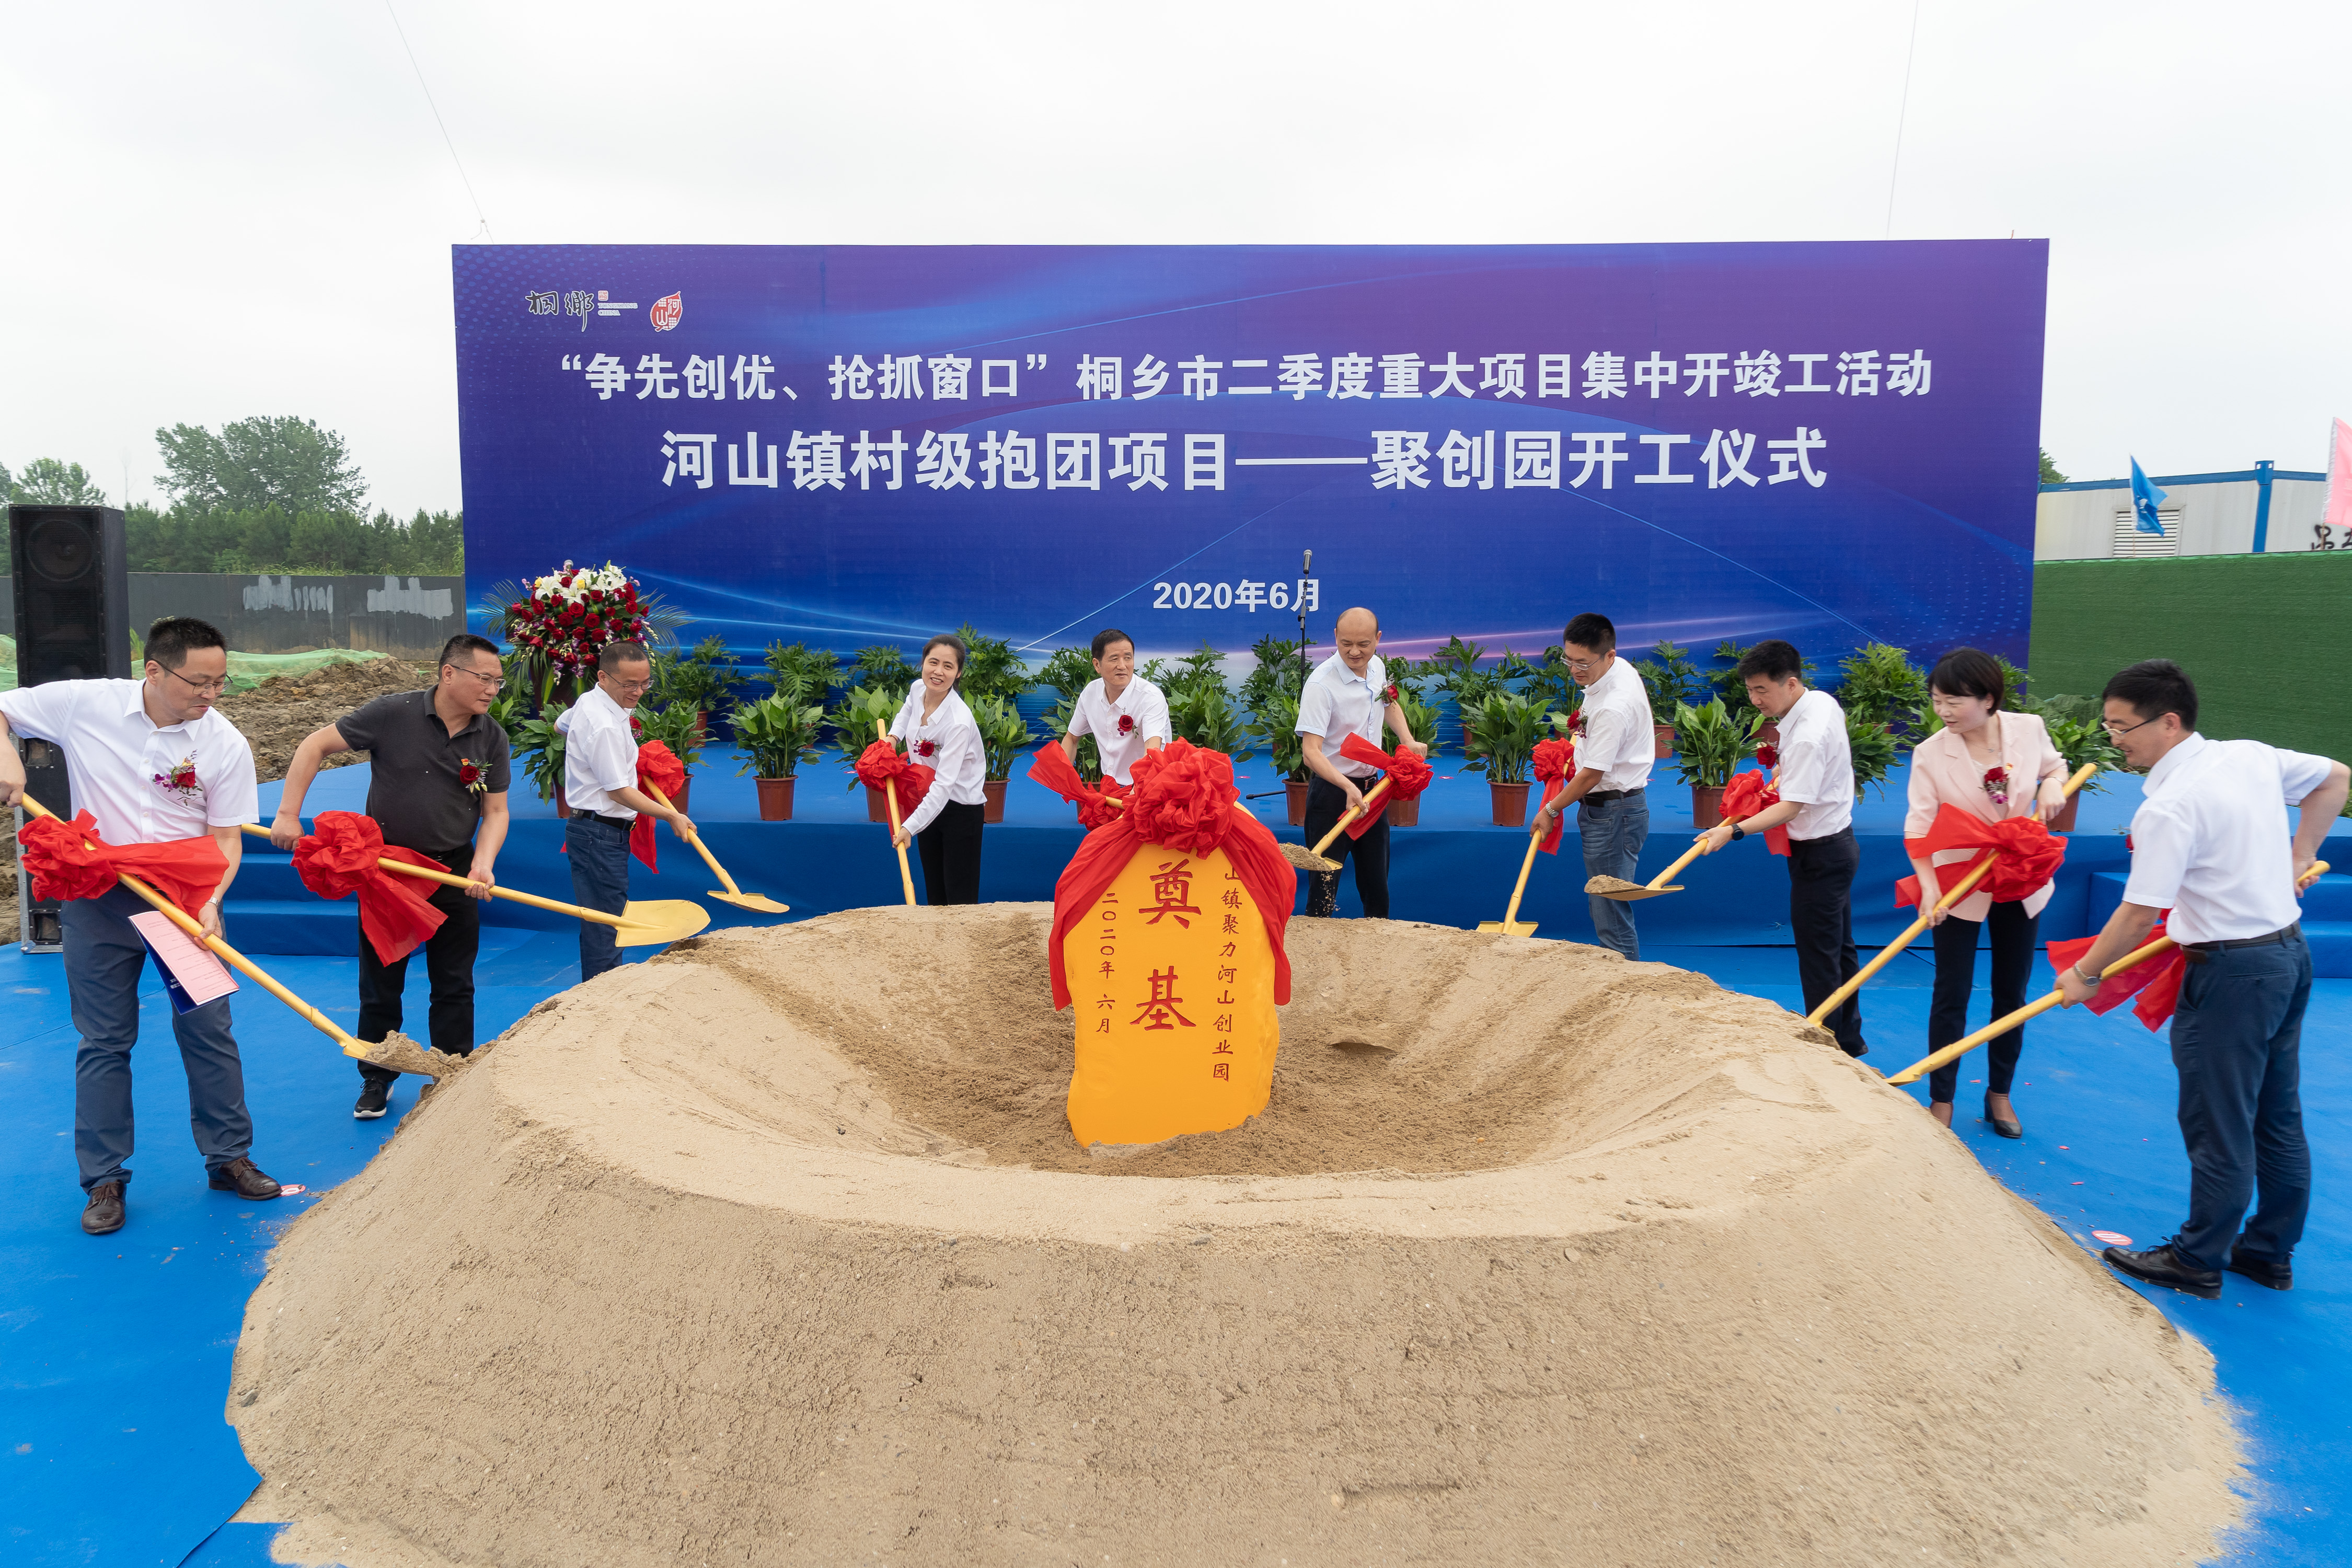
pixel 7 484
pixel 45 481
pixel 285 461
pixel 2050 474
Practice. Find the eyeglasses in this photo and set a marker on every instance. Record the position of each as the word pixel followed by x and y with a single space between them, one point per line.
pixel 211 688
pixel 620 685
pixel 490 678
pixel 2116 734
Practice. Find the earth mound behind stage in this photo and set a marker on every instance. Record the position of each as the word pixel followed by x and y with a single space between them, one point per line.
pixel 776 1250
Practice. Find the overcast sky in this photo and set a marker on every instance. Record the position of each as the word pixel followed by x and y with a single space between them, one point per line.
pixel 223 210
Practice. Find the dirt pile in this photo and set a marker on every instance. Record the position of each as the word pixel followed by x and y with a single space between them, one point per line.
pixel 774 1250
pixel 277 714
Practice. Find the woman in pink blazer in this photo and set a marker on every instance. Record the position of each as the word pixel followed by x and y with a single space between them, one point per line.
pixel 1997 765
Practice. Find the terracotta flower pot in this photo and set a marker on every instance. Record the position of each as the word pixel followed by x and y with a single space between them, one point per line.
pixel 1405 813
pixel 684 790
pixel 1510 801
pixel 992 806
pixel 1294 797
pixel 776 798
pixel 562 812
pixel 1664 734
pixel 701 721
pixel 1706 804
pixel 1769 735
pixel 877 809
pixel 2065 821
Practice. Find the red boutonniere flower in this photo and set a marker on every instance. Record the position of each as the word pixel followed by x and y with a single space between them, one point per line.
pixel 1127 724
pixel 635 722
pixel 181 780
pixel 1769 756
pixel 926 747
pixel 1996 784
pixel 1576 722
pixel 1391 693
pixel 473 775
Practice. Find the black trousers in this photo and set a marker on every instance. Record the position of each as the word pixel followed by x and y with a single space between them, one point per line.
pixel 1956 971
pixel 448 963
pixel 1326 803
pixel 1821 916
pixel 951 851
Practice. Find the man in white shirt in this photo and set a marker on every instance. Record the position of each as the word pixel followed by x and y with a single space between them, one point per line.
pixel 1815 780
pixel 600 788
pixel 1614 757
pixel 1348 694
pixel 2209 843
pixel 1126 714
pixel 152 761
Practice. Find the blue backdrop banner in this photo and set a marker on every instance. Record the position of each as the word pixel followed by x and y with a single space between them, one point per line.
pixel 1832 443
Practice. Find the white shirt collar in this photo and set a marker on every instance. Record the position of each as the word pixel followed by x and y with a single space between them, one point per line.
pixel 2172 761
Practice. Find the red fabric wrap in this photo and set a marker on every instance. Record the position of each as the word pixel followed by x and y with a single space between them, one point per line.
pixel 1748 794
pixel 881 766
pixel 1051 768
pixel 2029 854
pixel 1183 797
pixel 338 856
pixel 2154 981
pixel 1555 764
pixel 1408 777
pixel 69 860
pixel 657 765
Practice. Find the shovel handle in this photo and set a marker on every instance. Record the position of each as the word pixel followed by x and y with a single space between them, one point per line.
pixel 1886 953
pixel 237 961
pixel 700 849
pixel 1518 890
pixel 1351 815
pixel 890 799
pixel 451 880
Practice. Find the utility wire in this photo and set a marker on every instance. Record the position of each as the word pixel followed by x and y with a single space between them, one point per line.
pixel 1901 114
pixel 452 145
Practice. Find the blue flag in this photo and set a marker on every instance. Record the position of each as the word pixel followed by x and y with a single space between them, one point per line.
pixel 2146 497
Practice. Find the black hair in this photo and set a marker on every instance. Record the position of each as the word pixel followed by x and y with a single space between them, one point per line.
pixel 466 642
pixel 1109 636
pixel 1593 631
pixel 1771 659
pixel 948 639
pixel 172 639
pixel 616 654
pixel 2153 688
pixel 1969 672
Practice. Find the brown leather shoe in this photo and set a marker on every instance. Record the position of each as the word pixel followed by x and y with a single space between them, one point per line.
pixel 243 1178
pixel 102 1216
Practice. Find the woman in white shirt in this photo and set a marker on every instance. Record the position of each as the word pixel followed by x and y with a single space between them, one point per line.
pixel 940 734
pixel 1996 765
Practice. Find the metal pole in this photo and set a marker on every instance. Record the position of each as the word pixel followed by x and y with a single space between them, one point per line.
pixel 2262 505
pixel 1305 665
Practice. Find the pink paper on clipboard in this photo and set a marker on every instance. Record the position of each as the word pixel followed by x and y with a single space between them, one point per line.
pixel 202 975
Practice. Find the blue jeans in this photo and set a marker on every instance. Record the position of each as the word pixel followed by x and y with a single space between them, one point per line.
pixel 1614 832
pixel 104 955
pixel 2237 1040
pixel 599 853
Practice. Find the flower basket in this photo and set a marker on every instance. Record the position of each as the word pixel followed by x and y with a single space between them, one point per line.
pixel 1511 803
pixel 1706 805
pixel 992 803
pixel 1294 793
pixel 776 798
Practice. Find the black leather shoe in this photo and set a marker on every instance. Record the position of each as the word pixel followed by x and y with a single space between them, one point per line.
pixel 373 1097
pixel 1857 1049
pixel 2006 1128
pixel 243 1178
pixel 2164 1266
pixel 102 1216
pixel 2275 1273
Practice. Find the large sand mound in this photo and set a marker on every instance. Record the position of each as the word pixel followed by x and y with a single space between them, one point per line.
pixel 776 1250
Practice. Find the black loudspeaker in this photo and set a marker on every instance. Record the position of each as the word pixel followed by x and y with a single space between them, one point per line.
pixel 40 924
pixel 73 593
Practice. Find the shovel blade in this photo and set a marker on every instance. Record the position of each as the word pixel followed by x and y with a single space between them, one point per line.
pixel 1625 892
pixel 397 1053
pixel 657 922
pixel 1306 859
pixel 1509 928
pixel 752 902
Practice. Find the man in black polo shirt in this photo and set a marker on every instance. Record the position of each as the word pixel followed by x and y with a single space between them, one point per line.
pixel 440 771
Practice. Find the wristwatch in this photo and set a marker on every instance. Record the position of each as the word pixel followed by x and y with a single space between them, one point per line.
pixel 1738 832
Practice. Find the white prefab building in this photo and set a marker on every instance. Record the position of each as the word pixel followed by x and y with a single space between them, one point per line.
pixel 2254 512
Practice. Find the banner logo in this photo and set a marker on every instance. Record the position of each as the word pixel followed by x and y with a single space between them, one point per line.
pixel 667 310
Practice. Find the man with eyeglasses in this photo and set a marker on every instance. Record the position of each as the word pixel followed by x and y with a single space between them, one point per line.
pixel 154 761
pixel 2210 843
pixel 600 786
pixel 1614 758
pixel 438 785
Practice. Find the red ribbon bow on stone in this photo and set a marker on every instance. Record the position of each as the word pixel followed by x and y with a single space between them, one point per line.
pixel 1408 777
pixel 1555 764
pixel 2029 854
pixel 1748 794
pixel 338 856
pixel 1051 768
pixel 69 860
pixel 657 765
pixel 2154 981
pixel 880 766
pixel 1183 798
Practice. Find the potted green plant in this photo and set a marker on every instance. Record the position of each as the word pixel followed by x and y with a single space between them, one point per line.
pixel 1733 691
pixel 1067 673
pixel 1711 743
pixel 1669 680
pixel 853 732
pixel 1276 724
pixel 2075 730
pixel 698 680
pixel 1004 735
pixel 677 726
pixel 1421 719
pixel 1500 737
pixel 777 735
pixel 1883 686
pixel 538 745
pixel 1871 745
